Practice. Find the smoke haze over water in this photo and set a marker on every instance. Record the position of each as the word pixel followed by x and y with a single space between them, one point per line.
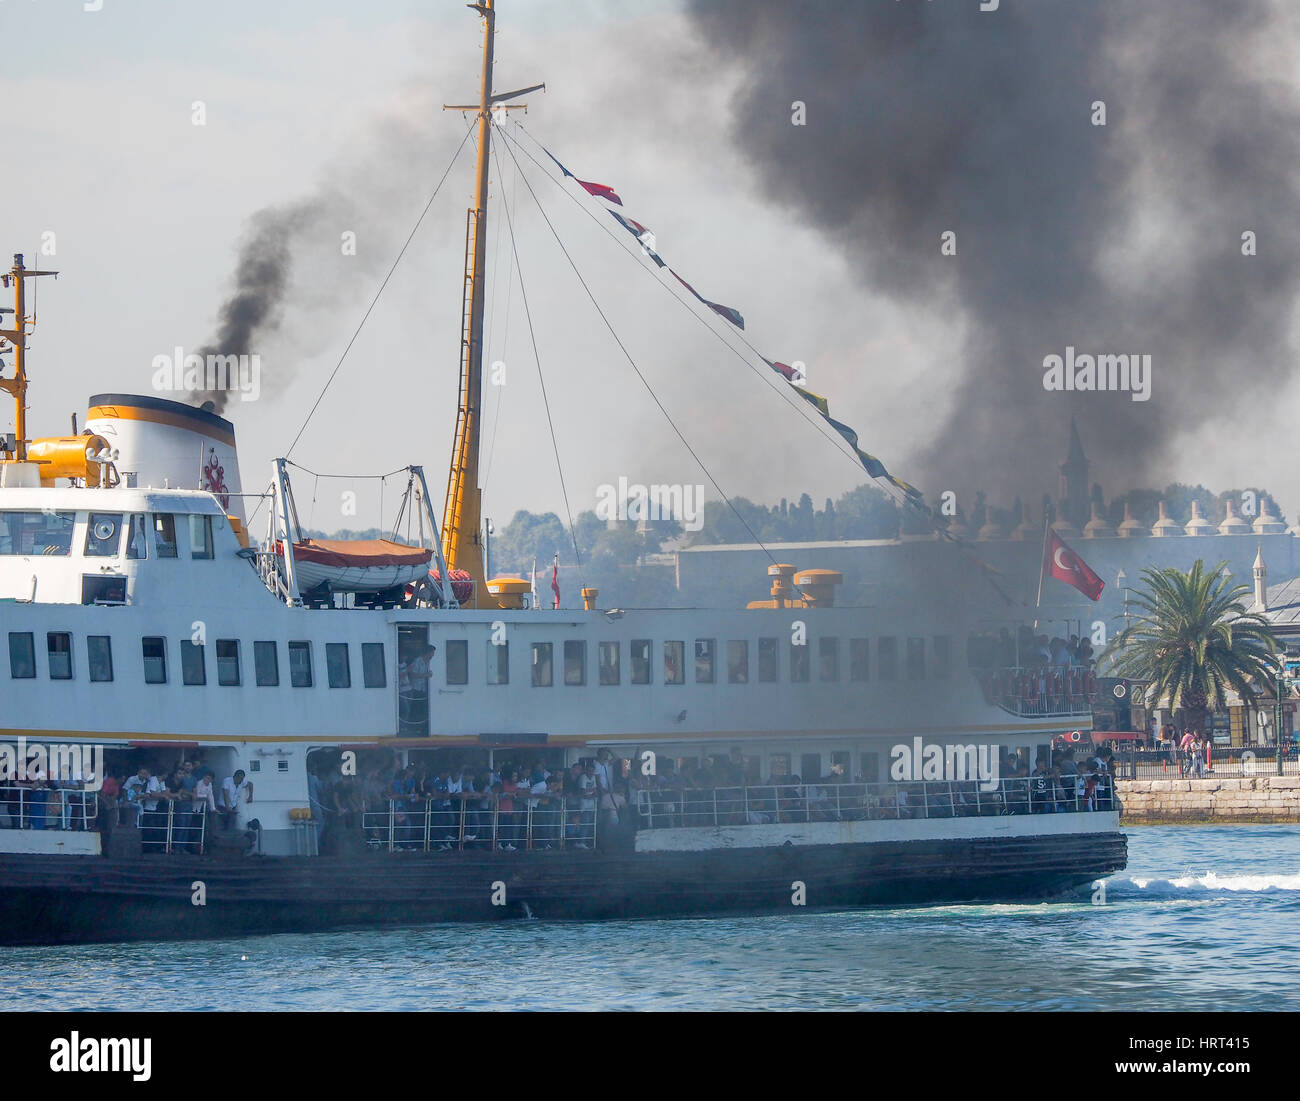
pixel 1123 238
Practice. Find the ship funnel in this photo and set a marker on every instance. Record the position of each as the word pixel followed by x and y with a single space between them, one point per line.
pixel 156 442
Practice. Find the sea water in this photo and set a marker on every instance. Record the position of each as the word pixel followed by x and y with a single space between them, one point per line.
pixel 1203 918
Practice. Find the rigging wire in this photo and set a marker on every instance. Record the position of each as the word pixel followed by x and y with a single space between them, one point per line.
pixel 893 493
pixel 546 403
pixel 644 381
pixel 505 337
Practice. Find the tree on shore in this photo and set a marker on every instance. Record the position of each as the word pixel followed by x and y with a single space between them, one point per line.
pixel 1192 640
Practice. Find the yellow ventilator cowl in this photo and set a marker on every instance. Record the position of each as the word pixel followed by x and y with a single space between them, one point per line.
pixel 508 592
pixel 68 457
pixel 818 586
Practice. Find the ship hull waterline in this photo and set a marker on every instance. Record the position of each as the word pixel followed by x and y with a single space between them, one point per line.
pixel 93 899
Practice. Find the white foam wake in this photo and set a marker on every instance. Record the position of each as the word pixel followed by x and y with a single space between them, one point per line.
pixel 1211 881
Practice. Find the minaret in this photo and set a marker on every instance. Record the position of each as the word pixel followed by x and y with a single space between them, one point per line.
pixel 1073 487
pixel 1261 575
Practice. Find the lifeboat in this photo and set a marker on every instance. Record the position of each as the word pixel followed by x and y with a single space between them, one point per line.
pixel 356 566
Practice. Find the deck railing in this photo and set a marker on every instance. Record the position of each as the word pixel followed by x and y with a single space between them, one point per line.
pixel 173 827
pixel 669 807
pixel 537 822
pixel 43 808
pixel 1042 690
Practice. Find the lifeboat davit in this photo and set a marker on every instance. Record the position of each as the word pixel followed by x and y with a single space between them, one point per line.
pixel 356 565
pixel 462 584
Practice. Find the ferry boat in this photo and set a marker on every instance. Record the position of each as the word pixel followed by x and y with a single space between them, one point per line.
pixel 795 754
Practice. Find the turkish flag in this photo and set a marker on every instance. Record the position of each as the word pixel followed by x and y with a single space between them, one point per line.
pixel 555 583
pixel 1060 562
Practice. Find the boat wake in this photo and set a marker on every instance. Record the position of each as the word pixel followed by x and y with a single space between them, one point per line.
pixel 1193 884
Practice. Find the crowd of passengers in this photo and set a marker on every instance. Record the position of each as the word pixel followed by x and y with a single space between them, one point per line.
pixel 1026 650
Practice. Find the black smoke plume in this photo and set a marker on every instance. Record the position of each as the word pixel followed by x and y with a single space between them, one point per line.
pixel 1123 238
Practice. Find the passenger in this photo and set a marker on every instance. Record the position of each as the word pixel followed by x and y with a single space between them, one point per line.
pixel 236 795
pixel 507 815
pixel 611 802
pixel 587 789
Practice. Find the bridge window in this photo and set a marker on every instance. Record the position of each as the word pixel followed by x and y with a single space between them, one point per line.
pixel 99 653
pixel 799 663
pixel 543 675
pixel 842 764
pixel 916 659
pixel 193 662
pixel 457 661
pixel 103 535
pixel 36 533
pixel 374 673
pixel 610 666
pixel 338 670
pixel 778 766
pixel 942 656
pixel 887 657
pixel 228 662
pixel 737 661
pixel 155 660
pixel 498 662
pixel 22 655
pixel 674 663
pixel 137 538
pixel 266 664
pixel 164 534
pixel 828 659
pixel 767 660
pixel 200 536
pixel 640 652
pixel 300 664
pixel 704 660
pixel 58 645
pixel 810 767
pixel 575 662
pixel 859 659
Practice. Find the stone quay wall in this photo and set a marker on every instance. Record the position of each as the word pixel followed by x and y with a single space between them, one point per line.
pixel 1247 799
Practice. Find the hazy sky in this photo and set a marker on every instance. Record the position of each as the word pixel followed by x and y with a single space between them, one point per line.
pixel 339 103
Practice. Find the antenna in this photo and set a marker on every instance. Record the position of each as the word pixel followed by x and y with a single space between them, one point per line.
pixel 17 277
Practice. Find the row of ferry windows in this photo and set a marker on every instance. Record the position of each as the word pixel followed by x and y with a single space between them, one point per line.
pixel 194 661
pixel 145 534
pixel 919 661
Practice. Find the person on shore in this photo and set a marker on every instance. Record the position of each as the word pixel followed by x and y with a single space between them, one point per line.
pixel 1198 756
pixel 1185 753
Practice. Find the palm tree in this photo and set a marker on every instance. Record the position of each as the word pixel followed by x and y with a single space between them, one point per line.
pixel 1193 639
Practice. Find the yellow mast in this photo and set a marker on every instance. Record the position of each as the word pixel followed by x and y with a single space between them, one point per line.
pixel 17 337
pixel 462 513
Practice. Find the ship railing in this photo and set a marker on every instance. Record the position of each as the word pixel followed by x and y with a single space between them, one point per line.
pixel 463 822
pixel 43 808
pixel 1047 690
pixel 668 807
pixel 174 825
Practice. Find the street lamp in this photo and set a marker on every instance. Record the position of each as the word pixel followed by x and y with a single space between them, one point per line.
pixel 1283 685
pixel 1121 583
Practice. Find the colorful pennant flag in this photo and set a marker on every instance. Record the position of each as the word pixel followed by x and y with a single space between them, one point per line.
pixel 790 373
pixel 641 234
pixel 722 311
pixel 601 191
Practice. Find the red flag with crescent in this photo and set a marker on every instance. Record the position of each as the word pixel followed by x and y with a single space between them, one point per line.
pixel 1060 562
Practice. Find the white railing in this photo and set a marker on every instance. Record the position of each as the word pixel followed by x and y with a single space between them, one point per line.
pixel 43 808
pixel 463 822
pixel 668 807
pixel 1042 690
pixel 172 828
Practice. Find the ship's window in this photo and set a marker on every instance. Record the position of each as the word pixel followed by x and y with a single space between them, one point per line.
pixel 543 676
pixel 457 661
pixel 200 536
pixel 799 663
pixel 498 662
pixel 869 767
pixel 374 673
pixel 99 653
pixel 103 534
pixel 705 649
pixel 778 766
pixel 194 665
pixel 22 655
pixel 810 767
pixel 942 656
pixel 137 538
pixel 859 659
pixel 155 660
pixel 767 659
pixel 737 661
pixel 828 658
pixel 103 588
pixel 58 645
pixel 164 534
pixel 916 659
pixel 639 652
pixel 338 670
pixel 300 664
pixel 674 663
pixel 842 764
pixel 887 657
pixel 228 662
pixel 33 533
pixel 610 671
pixel 266 664
pixel 575 661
